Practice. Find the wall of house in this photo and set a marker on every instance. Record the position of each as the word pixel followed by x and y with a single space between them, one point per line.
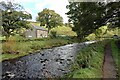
pixel 30 33
pixel 41 33
pixel 36 33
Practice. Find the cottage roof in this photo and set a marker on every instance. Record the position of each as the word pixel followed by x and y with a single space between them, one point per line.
pixel 40 28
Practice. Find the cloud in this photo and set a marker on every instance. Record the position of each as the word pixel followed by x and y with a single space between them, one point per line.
pixel 35 6
pixel 58 5
pixel 26 1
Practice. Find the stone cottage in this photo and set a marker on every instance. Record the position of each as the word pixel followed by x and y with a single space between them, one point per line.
pixel 36 32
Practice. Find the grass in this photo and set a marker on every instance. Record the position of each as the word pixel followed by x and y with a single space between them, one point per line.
pixel 30 46
pixel 63 30
pixel 89 62
pixel 116 55
pixel 35 23
pixel 11 56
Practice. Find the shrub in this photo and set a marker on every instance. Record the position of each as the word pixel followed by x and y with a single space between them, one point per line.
pixel 53 34
pixel 35 46
pixel 10 46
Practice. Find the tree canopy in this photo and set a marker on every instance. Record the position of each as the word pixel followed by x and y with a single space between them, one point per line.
pixel 49 18
pixel 89 16
pixel 13 17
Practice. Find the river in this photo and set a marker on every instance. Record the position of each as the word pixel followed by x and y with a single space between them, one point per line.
pixel 49 63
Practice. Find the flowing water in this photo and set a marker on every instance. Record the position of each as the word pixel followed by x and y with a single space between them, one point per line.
pixel 50 63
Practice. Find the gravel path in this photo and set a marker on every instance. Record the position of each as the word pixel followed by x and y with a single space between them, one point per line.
pixel 109 70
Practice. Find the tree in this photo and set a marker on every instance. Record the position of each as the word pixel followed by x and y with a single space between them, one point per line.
pixel 68 24
pixel 100 32
pixel 112 15
pixel 49 18
pixel 89 16
pixel 85 17
pixel 13 18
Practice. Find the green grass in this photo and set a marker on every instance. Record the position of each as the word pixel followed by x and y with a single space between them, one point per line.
pixel 63 30
pixel 26 47
pixel 10 56
pixel 92 57
pixel 116 55
pixel 35 23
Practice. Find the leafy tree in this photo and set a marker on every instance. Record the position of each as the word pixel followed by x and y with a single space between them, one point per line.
pixel 100 32
pixel 68 24
pixel 89 16
pixel 112 14
pixel 49 18
pixel 85 17
pixel 13 18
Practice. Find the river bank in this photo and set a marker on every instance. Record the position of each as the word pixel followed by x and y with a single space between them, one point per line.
pixel 14 48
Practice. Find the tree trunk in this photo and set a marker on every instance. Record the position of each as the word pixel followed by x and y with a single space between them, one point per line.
pixel 48 30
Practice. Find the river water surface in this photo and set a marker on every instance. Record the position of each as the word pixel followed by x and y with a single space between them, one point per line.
pixel 51 63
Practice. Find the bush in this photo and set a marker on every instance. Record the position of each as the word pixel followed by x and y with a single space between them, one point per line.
pixel 10 46
pixel 53 34
pixel 19 38
pixel 35 46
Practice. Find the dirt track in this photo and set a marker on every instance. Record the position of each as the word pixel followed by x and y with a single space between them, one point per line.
pixel 109 70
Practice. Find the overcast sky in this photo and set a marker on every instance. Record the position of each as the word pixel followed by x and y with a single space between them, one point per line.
pixel 35 6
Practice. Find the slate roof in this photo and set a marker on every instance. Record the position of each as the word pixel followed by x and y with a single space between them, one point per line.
pixel 40 28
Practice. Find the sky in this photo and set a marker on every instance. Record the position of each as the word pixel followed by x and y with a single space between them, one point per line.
pixel 35 6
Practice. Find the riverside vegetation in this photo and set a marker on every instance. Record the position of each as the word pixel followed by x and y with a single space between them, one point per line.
pixel 89 61
pixel 116 55
pixel 18 46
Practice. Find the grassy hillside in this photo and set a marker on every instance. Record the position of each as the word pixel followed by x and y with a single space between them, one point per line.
pixel 63 30
pixel 35 23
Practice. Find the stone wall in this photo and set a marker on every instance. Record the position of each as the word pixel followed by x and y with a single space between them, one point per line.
pixel 41 33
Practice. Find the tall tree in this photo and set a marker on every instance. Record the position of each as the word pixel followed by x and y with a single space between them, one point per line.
pixel 88 16
pixel 112 15
pixel 13 18
pixel 49 18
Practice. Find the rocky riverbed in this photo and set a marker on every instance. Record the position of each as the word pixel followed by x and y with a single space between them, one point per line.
pixel 49 63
